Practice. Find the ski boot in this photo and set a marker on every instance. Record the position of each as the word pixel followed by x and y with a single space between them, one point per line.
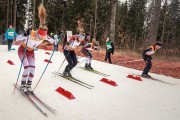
pixel 86 66
pixel 148 76
pixel 90 67
pixel 28 86
pixel 23 87
pixel 105 60
pixel 144 75
pixel 65 74
pixel 69 74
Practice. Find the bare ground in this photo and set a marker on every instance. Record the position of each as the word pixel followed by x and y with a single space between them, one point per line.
pixel 163 66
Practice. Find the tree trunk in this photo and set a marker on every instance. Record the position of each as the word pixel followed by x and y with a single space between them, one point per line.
pixel 11 8
pixel 155 22
pixel 95 19
pixel 15 10
pixel 164 21
pixel 7 14
pixel 34 6
pixel 113 19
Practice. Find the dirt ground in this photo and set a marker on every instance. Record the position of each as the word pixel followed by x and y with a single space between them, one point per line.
pixel 134 60
pixel 163 66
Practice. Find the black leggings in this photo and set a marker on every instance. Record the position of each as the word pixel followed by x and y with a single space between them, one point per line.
pixel 71 59
pixel 108 56
pixel 87 53
pixel 9 44
pixel 148 66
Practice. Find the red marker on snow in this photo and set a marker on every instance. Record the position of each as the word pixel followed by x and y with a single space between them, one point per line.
pixel 110 82
pixel 65 93
pixel 135 77
pixel 49 61
pixel 47 53
pixel 10 62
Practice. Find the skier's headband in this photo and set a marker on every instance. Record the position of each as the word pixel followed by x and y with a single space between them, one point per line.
pixel 42 32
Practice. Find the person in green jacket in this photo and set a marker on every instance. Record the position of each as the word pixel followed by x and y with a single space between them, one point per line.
pixel 109 50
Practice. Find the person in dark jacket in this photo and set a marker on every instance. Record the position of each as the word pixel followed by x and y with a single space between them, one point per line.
pixel 109 50
pixel 69 53
pixel 147 57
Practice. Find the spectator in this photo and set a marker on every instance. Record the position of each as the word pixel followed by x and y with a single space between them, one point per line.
pixel 10 35
pixel 109 50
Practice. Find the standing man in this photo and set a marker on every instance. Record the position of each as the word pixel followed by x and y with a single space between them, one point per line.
pixel 57 39
pixel 10 35
pixel 109 50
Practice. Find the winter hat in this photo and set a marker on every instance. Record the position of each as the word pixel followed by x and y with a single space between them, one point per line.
pixel 107 39
pixel 158 43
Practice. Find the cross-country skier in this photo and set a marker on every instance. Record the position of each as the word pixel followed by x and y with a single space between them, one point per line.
pixel 86 50
pixel 69 53
pixel 30 42
pixel 147 57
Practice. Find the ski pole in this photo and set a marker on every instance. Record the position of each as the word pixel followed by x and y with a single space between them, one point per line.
pixel 44 69
pixel 130 61
pixel 65 59
pixel 79 57
pixel 81 62
pixel 21 65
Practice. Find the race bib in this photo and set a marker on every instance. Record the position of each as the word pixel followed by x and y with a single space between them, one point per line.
pixel 150 53
pixel 74 44
pixel 109 47
pixel 11 34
